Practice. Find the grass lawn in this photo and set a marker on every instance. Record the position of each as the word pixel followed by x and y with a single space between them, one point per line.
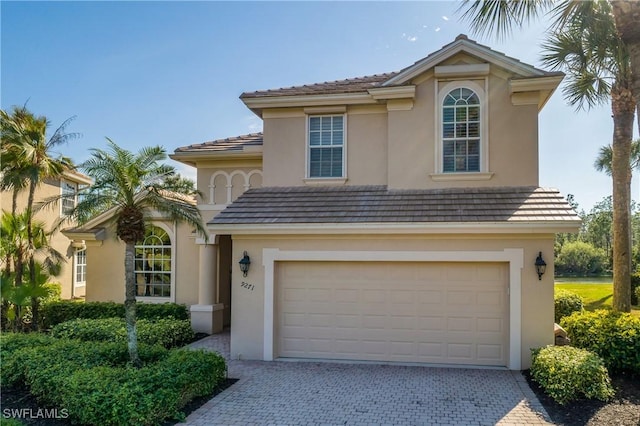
pixel 595 296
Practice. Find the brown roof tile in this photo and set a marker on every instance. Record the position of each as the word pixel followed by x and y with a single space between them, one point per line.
pixel 237 143
pixel 377 204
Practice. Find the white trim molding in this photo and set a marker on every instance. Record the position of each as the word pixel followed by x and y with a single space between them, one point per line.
pixel 513 256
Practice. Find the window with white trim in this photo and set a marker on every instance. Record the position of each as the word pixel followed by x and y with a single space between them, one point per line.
pixel 461 131
pixel 153 264
pixel 326 146
pixel 80 273
pixel 67 197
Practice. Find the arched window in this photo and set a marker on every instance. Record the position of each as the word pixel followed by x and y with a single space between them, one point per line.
pixel 461 131
pixel 153 264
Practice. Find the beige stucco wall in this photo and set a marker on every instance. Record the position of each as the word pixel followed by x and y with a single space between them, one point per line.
pixel 398 147
pixel 105 266
pixel 50 216
pixel 248 306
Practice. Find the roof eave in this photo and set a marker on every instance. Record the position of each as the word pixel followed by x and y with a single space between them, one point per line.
pixel 191 158
pixel 381 228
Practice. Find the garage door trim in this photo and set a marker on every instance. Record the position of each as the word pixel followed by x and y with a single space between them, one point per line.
pixel 514 256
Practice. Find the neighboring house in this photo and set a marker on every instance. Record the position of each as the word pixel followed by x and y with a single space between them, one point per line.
pixel 73 275
pixel 395 217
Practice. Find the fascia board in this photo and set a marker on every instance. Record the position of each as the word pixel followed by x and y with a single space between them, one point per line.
pixel 467 47
pixel 542 227
pixel 90 235
pixel 191 158
pixel 308 100
pixel 402 92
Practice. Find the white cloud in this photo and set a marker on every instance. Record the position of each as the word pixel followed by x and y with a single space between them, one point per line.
pixel 412 38
pixel 445 18
pixel 437 29
pixel 254 124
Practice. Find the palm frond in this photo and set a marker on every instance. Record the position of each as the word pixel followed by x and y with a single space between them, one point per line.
pixel 501 17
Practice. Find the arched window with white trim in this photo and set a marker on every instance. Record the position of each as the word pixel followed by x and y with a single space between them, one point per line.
pixel 461 131
pixel 153 264
pixel 462 147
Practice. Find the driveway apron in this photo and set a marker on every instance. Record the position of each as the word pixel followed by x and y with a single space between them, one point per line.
pixel 331 393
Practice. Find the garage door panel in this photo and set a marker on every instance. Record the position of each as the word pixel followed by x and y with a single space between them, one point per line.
pixel 410 312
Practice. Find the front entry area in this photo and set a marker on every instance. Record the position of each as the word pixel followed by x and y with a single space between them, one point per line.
pixel 427 312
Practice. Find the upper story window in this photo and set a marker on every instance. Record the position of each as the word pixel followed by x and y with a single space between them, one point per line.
pixel 68 197
pixel 326 146
pixel 462 147
pixel 461 131
pixel 153 266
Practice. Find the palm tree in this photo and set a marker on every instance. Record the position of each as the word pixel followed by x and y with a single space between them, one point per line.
pixel 133 185
pixel 585 43
pixel 14 246
pixel 28 161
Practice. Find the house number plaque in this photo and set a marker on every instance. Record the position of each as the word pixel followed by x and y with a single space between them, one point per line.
pixel 247 286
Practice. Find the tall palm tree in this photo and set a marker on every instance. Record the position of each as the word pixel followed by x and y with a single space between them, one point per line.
pixel 599 63
pixel 29 159
pixel 133 185
pixel 27 155
pixel 605 158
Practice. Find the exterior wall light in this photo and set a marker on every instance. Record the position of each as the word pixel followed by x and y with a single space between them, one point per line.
pixel 541 266
pixel 244 264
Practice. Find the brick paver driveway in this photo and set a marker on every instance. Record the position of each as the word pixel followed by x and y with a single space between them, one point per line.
pixel 323 393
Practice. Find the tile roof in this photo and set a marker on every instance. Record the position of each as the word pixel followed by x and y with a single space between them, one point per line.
pixel 377 204
pixel 362 84
pixel 237 143
pixel 349 85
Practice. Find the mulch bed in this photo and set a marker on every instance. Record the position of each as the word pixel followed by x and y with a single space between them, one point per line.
pixel 622 410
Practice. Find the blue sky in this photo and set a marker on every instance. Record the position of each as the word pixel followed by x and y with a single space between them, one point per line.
pixel 170 73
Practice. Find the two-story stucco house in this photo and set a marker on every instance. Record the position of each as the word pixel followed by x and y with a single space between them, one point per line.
pixel 394 217
pixel 72 277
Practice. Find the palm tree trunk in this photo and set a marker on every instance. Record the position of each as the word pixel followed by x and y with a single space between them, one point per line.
pixel 31 250
pixel 627 17
pixel 623 106
pixel 130 304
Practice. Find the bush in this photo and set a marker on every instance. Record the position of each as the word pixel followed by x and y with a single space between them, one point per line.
pixel 117 396
pixel 565 303
pixel 41 366
pixel 566 374
pixel 96 385
pixel 58 312
pixel 167 332
pixel 580 258
pixel 614 336
pixel 635 289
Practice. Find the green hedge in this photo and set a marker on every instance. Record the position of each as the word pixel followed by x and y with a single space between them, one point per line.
pixel 566 374
pixel 58 312
pixel 565 303
pixel 96 385
pixel 167 332
pixel 615 337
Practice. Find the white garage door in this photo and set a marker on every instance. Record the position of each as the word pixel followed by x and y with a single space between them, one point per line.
pixel 452 313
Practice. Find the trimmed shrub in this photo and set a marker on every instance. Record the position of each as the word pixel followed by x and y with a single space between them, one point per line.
pixel 116 396
pixel 614 336
pixel 41 367
pixel 565 303
pixel 167 332
pixel 58 312
pixel 96 385
pixel 566 374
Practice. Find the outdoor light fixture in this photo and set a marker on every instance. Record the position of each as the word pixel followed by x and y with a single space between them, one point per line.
pixel 541 266
pixel 244 264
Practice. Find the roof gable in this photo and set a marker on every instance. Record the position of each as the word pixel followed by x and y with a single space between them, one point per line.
pixel 463 44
